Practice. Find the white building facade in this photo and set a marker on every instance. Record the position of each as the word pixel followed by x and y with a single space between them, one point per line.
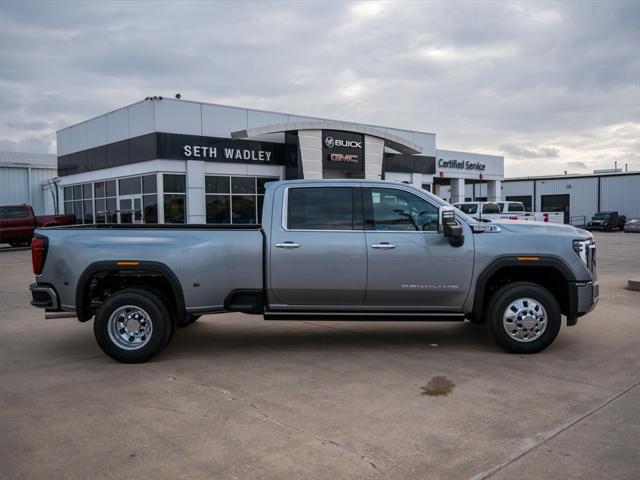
pixel 178 161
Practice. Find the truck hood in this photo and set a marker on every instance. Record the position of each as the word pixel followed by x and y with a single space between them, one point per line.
pixel 542 228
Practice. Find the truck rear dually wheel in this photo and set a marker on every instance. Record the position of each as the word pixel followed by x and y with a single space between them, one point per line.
pixel 524 317
pixel 132 325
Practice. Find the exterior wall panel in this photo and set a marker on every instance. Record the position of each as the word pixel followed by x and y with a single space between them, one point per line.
pixel 14 186
pixel 622 194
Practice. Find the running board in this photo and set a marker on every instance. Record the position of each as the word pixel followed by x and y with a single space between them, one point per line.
pixel 359 316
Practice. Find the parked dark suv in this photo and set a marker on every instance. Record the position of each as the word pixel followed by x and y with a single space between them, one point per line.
pixel 606 221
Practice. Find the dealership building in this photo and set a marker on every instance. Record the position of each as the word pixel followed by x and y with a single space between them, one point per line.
pixel 177 161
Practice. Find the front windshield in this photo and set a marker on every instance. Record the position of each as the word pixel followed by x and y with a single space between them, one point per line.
pixel 468 208
pixel 602 215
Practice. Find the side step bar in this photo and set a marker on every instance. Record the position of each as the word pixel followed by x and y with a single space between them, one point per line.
pixel 359 316
pixel 54 315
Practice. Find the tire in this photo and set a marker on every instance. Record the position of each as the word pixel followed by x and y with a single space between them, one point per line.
pixel 523 331
pixel 188 320
pixel 150 326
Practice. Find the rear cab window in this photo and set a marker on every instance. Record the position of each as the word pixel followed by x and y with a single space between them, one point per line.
pixel 323 208
pixel 13 212
pixel 490 208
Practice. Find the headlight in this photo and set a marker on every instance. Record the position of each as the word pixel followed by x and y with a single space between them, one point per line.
pixel 583 249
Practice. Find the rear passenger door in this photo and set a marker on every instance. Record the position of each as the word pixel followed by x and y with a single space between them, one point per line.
pixel 317 252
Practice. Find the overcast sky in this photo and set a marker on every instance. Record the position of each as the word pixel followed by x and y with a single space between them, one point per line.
pixel 551 86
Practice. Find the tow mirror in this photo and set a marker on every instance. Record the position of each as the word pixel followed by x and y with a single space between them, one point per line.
pixel 449 226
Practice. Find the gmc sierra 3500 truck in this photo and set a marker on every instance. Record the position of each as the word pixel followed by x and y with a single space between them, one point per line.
pixel 326 249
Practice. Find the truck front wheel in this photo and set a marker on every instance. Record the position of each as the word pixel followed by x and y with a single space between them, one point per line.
pixel 132 325
pixel 524 317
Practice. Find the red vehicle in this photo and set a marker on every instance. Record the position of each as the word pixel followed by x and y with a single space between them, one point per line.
pixel 17 223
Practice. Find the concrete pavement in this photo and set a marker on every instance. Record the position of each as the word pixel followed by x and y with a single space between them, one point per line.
pixel 234 396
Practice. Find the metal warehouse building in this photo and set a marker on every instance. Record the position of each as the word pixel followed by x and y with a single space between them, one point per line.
pixel 578 196
pixel 25 178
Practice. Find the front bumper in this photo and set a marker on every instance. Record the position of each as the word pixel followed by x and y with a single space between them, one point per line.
pixel 583 298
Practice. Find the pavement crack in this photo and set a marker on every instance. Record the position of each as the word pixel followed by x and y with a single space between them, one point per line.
pixel 545 437
pixel 370 461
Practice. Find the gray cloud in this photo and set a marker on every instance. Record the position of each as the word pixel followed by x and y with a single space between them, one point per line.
pixel 580 165
pixel 482 75
pixel 521 152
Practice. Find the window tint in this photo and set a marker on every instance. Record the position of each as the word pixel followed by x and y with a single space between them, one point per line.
pixel 14 212
pixel 173 183
pixel 399 210
pixel 516 207
pixel 468 208
pixel 243 185
pixel 490 208
pixel 324 208
pixel 130 186
pixel 149 184
pixel 243 209
pixel 215 184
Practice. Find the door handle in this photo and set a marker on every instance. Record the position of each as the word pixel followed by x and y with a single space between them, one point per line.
pixel 383 245
pixel 288 245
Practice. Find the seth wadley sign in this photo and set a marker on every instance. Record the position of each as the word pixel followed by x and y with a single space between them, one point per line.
pixel 461 165
pixel 228 153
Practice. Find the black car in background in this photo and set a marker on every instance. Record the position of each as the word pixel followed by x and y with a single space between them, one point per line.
pixel 606 221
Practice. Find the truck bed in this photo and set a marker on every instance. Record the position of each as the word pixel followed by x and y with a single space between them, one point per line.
pixel 208 261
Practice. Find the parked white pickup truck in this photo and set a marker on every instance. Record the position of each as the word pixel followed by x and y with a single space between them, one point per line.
pixel 517 211
pixel 482 211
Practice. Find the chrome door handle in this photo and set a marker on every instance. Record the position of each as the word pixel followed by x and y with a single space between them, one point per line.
pixel 383 245
pixel 288 245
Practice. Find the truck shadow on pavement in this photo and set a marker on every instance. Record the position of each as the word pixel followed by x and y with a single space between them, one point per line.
pixel 202 339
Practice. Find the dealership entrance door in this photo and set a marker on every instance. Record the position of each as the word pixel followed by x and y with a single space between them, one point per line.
pixel 557 203
pixel 131 209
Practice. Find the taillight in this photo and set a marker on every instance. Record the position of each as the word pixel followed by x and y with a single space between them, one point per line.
pixel 545 216
pixel 38 254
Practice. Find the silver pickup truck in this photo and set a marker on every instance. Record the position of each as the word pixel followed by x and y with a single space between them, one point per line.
pixel 336 250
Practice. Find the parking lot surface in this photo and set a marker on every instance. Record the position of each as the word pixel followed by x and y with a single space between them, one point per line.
pixel 234 396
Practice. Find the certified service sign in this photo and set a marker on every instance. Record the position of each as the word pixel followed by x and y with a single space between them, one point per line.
pixel 342 151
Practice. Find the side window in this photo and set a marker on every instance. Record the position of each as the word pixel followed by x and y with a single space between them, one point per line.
pixel 468 208
pixel 320 208
pixel 397 210
pixel 516 207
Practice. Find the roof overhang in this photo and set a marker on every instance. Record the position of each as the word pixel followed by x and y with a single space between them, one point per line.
pixel 392 141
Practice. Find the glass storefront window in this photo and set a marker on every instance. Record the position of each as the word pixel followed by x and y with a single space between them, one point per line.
pixel 149 184
pixel 243 208
pixel 243 185
pixel 174 208
pixel 231 200
pixel 174 183
pixel 150 208
pixel 217 184
pixel 218 209
pixel 129 186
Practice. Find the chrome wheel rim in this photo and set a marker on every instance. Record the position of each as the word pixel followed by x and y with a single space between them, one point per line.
pixel 130 327
pixel 525 320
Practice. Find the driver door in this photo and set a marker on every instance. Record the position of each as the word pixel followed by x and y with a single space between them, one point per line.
pixel 410 265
